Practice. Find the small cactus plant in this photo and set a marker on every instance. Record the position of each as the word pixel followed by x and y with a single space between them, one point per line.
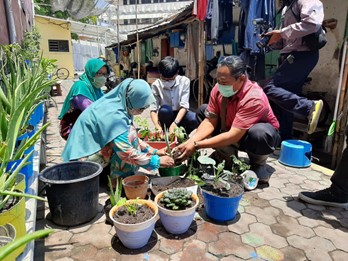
pixel 177 199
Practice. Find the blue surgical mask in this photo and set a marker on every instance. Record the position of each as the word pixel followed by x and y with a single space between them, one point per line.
pixel 226 90
pixel 99 81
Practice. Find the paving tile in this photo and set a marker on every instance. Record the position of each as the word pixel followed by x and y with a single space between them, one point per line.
pixel 336 236
pixel 65 259
pixel 253 199
pixel 58 238
pixel 318 254
pixel 81 252
pixel 264 232
pixel 286 207
pixel 229 244
pixel 54 252
pixel 316 218
pixel 293 254
pixel 171 246
pixel 194 251
pixel 242 225
pixel 208 232
pixel 288 226
pixel 290 189
pixel 339 255
pixel 264 215
pixel 271 193
pixel 311 244
pixel 99 235
pixel 232 258
pixel 105 254
pixel 297 179
pixel 269 253
pixel 278 182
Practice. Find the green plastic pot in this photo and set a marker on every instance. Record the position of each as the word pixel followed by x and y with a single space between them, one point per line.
pixel 173 171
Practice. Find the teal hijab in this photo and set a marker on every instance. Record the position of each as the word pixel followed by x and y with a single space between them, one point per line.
pixel 85 85
pixel 106 118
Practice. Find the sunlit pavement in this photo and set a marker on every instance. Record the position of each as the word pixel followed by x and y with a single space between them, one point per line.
pixel 272 224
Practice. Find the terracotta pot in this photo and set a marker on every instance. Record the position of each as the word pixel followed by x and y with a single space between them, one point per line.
pixel 135 186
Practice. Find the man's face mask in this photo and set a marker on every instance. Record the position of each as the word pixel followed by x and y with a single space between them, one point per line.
pixel 168 84
pixel 226 90
pixel 99 81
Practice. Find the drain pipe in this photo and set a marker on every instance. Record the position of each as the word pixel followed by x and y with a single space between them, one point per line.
pixel 10 22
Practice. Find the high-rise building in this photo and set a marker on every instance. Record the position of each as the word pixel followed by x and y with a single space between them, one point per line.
pixel 128 13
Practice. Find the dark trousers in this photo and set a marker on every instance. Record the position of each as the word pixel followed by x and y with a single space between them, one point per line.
pixel 340 177
pixel 285 86
pixel 260 139
pixel 166 116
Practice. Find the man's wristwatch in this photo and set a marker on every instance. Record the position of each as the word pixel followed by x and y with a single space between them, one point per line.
pixel 176 123
pixel 196 145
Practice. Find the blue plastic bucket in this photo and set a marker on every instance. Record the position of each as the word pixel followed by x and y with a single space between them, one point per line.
pixel 220 209
pixel 296 153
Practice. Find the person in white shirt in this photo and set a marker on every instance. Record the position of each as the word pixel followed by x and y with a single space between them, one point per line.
pixel 172 94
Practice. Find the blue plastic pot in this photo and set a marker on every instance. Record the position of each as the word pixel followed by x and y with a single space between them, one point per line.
pixel 220 209
pixel 176 221
pixel 37 115
pixel 27 170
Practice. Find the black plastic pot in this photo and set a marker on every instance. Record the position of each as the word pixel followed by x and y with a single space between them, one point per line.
pixel 72 191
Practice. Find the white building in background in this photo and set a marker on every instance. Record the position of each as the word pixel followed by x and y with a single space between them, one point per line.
pixel 146 11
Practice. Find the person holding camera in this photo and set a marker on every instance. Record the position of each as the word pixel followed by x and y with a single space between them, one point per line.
pixel 299 18
pixel 172 93
pixel 238 117
pixel 337 194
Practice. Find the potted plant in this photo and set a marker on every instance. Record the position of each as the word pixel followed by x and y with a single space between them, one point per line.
pixel 221 193
pixel 135 186
pixel 114 199
pixel 176 170
pixel 134 222
pixel 242 169
pixel 8 251
pixel 154 138
pixel 176 209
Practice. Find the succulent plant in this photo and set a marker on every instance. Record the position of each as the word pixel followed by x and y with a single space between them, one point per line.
pixel 177 199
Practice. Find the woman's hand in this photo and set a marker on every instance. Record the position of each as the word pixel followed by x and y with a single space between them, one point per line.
pixel 166 161
pixel 162 152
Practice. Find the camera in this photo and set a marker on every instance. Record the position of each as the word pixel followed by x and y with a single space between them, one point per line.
pixel 265 27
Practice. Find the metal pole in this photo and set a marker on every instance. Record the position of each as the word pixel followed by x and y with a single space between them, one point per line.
pixel 118 31
pixel 136 26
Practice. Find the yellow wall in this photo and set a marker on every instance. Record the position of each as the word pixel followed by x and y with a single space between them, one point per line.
pixel 52 29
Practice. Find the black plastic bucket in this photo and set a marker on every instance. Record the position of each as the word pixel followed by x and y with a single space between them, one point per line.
pixel 72 191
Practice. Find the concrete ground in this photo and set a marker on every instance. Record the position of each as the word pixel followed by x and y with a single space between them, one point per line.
pixel 272 224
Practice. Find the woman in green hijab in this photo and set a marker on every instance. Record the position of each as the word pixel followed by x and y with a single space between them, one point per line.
pixel 82 94
pixel 106 129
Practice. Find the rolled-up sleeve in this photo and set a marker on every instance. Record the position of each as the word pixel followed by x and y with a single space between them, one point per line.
pixel 156 93
pixel 185 95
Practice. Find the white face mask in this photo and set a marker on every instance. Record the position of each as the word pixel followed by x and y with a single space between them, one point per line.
pixel 99 81
pixel 168 84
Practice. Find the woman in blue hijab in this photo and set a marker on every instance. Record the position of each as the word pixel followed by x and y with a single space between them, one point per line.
pixel 106 128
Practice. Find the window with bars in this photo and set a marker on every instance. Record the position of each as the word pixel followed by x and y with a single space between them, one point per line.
pixel 58 45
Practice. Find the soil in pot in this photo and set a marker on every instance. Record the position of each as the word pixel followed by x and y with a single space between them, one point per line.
pixel 169 183
pixel 235 190
pixel 143 213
